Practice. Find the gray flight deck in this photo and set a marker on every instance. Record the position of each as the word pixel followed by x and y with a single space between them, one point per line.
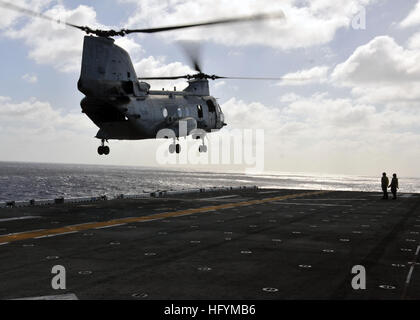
pixel 238 244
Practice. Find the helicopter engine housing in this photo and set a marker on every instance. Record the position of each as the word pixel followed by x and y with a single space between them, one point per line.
pixel 107 70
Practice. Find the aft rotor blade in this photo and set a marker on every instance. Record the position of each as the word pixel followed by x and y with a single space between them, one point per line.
pixel 29 12
pixel 123 32
pixel 257 17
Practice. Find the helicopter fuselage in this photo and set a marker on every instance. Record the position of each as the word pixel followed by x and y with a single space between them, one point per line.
pixel 136 118
pixel 126 109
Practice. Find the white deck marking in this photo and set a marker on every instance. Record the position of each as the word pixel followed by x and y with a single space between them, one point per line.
pixel 409 275
pixel 19 218
pixel 54 235
pixel 220 197
pixel 111 226
pixel 67 296
pixel 3 243
pixel 328 199
pixel 315 204
pixel 406 195
pixel 15 233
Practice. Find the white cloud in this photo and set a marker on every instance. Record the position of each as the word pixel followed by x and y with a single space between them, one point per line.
pixel 413 17
pixel 317 74
pixel 381 71
pixel 381 60
pixel 307 23
pixel 220 84
pixel 30 78
pixel 61 46
pixel 289 97
pixel 157 67
pixel 134 49
pixel 54 44
pixel 34 130
pixel 323 134
pixel 10 17
pixel 414 41
pixel 21 118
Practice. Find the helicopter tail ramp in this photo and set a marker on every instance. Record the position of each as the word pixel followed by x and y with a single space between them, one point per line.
pixel 107 69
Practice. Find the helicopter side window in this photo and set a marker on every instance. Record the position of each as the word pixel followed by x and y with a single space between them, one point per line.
pixel 164 112
pixel 200 110
pixel 212 107
pixel 179 111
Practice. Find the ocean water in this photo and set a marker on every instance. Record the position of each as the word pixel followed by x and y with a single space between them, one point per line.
pixel 25 181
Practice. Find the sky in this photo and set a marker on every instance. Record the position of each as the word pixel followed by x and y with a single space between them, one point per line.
pixel 355 109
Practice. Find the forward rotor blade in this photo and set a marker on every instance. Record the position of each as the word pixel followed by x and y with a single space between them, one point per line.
pixel 257 17
pixel 259 78
pixel 163 78
pixel 16 8
pixel 192 50
pixel 214 77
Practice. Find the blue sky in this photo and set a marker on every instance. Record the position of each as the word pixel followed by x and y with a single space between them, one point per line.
pixel 357 114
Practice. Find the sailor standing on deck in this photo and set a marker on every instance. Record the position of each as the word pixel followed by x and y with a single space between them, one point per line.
pixel 385 182
pixel 394 186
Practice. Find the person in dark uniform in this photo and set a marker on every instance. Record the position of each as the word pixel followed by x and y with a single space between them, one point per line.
pixel 394 186
pixel 384 183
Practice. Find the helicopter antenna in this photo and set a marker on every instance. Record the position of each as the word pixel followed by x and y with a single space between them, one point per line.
pixel 123 32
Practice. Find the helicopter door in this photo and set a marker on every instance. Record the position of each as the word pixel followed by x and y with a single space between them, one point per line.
pixel 212 113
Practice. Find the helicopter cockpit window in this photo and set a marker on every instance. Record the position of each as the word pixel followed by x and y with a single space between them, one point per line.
pixel 186 112
pixel 179 112
pixel 164 112
pixel 212 107
pixel 200 111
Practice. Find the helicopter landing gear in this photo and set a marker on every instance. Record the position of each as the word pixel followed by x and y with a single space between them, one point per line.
pixel 203 147
pixel 174 147
pixel 102 149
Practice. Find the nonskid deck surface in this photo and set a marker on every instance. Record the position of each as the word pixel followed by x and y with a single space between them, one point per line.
pixel 241 244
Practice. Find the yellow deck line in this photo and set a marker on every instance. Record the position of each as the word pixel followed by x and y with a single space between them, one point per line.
pixel 93 225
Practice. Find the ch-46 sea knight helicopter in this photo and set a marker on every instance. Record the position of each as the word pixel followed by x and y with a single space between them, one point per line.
pixel 124 107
